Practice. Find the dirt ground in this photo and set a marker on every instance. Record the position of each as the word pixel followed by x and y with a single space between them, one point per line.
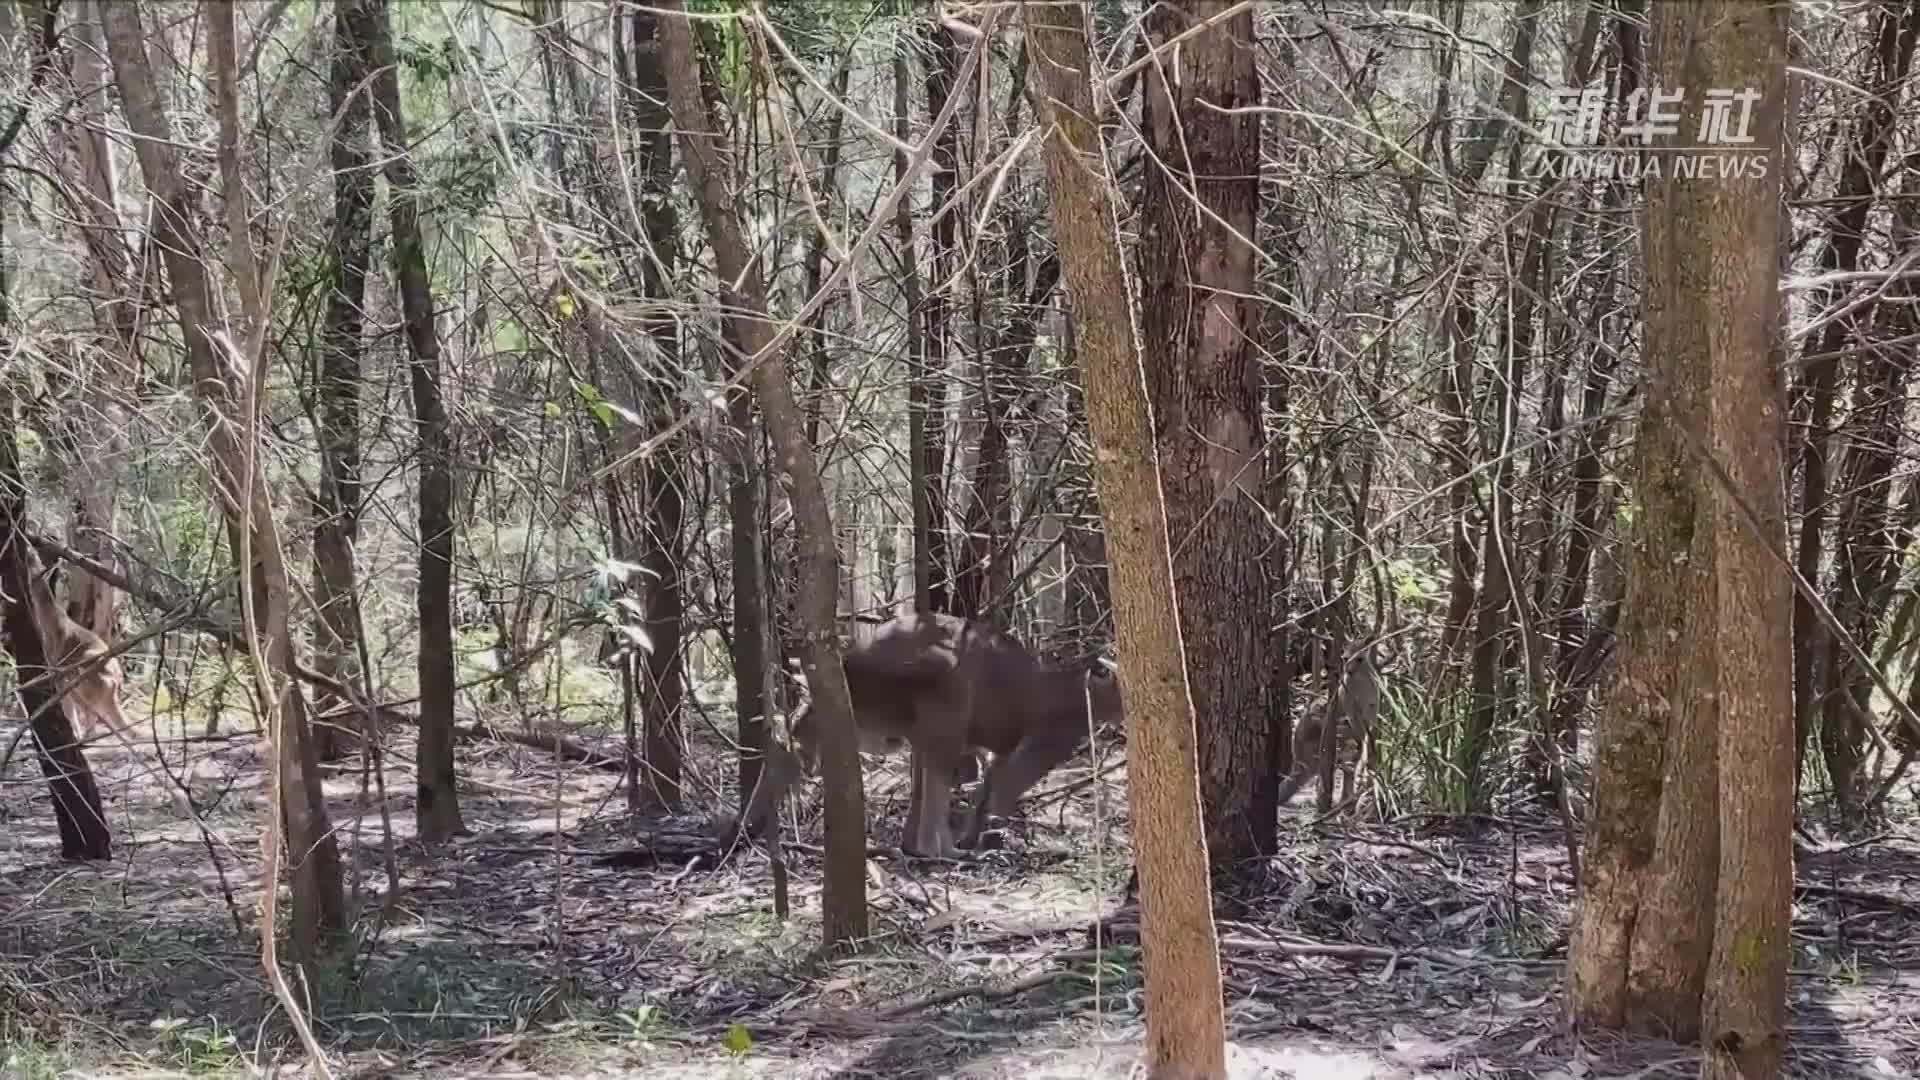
pixel 1421 947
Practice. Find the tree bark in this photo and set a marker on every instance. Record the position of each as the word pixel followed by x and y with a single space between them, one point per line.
pixel 743 293
pixel 437 809
pixel 1185 1030
pixel 1656 700
pixel 664 521
pixel 1198 210
pixel 1738 44
pixel 337 406
pixel 224 385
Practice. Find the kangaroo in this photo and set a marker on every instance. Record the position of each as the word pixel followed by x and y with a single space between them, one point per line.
pixel 948 687
pixel 89 687
pixel 1356 707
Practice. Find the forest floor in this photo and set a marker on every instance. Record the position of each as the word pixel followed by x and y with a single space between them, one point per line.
pixel 1422 946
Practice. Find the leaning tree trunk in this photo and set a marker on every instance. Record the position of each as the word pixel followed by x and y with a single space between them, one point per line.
pixel 337 389
pixel 1198 303
pixel 744 295
pixel 438 808
pixel 225 383
pixel 76 799
pixel 1734 43
pixel 1185 1031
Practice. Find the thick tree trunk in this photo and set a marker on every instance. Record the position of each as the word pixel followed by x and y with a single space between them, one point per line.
pixel 437 810
pixel 1185 1032
pixel 1657 706
pixel 1734 43
pixel 844 903
pixel 1197 305
pixel 337 391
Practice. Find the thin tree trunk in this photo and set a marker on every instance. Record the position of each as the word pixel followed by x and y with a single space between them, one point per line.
pixel 438 807
pixel 337 515
pixel 927 395
pixel 225 384
pixel 1866 154
pixel 1863 493
pixel 1185 1029
pixel 666 469
pixel 844 902
pixel 920 378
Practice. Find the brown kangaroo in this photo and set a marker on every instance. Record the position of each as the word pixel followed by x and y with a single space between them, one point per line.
pixel 1356 707
pixel 89 687
pixel 948 687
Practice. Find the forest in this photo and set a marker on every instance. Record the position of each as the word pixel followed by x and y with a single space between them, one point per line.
pixel 959 538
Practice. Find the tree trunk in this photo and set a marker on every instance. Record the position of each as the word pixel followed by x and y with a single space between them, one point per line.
pixel 664 524
pixel 437 810
pixel 1738 44
pixel 743 292
pixel 927 394
pixel 1682 926
pixel 337 515
pixel 1657 699
pixel 1846 232
pixel 1198 211
pixel 77 812
pixel 920 378
pixel 1185 1030
pixel 1842 693
pixel 97 469
pixel 224 383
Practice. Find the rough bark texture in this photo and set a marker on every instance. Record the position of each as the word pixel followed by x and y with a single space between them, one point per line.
pixel 337 391
pixel 1198 307
pixel 1655 680
pixel 437 810
pixel 222 385
pixel 743 292
pixel 1739 44
pixel 1185 1032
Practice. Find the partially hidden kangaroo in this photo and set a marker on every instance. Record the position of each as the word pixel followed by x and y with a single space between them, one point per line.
pixel 89 687
pixel 1356 707
pixel 948 687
